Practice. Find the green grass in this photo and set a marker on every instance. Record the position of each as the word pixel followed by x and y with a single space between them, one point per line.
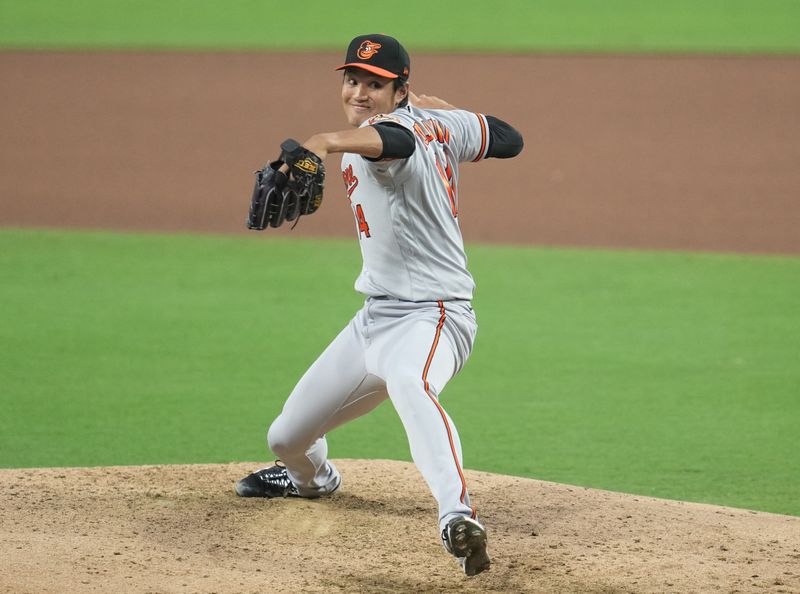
pixel 740 26
pixel 665 374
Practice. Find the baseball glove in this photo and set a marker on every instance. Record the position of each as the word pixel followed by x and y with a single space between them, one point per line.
pixel 278 197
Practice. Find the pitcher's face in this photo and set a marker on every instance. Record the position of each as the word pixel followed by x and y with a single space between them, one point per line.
pixel 365 94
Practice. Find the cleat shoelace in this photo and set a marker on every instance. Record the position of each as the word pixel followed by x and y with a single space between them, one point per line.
pixel 277 476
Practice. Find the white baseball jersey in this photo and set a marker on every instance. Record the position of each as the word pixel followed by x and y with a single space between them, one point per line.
pixel 416 328
pixel 407 209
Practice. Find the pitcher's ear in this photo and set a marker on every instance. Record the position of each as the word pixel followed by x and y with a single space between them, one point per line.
pixel 401 95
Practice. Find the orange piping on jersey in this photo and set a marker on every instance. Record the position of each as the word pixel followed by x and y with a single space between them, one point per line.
pixel 439 406
pixel 451 191
pixel 483 137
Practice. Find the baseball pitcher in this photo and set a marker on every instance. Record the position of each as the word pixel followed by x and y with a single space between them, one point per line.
pixel 400 168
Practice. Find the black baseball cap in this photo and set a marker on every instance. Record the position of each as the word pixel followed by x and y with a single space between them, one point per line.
pixel 379 54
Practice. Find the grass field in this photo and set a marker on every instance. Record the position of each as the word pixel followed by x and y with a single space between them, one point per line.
pixel 740 26
pixel 663 374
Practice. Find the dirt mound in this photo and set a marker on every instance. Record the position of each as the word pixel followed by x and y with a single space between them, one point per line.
pixel 182 529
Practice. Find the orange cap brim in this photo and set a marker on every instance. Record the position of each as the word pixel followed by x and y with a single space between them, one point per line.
pixel 369 68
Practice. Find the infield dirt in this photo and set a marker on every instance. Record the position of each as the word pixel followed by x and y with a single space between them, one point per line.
pixel 659 152
pixel 182 529
pixel 667 152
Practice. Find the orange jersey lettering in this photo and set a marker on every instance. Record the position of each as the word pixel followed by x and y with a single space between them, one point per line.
pixel 350 180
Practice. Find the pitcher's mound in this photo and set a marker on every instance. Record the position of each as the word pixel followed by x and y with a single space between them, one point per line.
pixel 182 529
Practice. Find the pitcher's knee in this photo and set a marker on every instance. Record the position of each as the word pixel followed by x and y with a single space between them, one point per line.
pixel 280 440
pixel 287 440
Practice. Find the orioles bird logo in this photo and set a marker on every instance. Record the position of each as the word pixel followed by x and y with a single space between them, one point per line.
pixel 367 49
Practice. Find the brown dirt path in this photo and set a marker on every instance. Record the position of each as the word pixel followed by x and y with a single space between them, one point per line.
pixel 643 152
pixel 182 529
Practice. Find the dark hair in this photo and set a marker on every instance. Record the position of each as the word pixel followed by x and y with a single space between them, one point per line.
pixel 398 83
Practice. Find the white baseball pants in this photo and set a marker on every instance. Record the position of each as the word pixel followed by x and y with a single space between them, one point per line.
pixel 402 350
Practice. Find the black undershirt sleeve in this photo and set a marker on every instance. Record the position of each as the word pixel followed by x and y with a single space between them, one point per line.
pixel 398 142
pixel 504 141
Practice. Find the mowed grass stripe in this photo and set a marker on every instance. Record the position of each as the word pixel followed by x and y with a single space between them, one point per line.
pixel 664 374
pixel 722 26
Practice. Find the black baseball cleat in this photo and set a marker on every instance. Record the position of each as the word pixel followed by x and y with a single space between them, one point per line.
pixel 267 482
pixel 275 482
pixel 465 539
